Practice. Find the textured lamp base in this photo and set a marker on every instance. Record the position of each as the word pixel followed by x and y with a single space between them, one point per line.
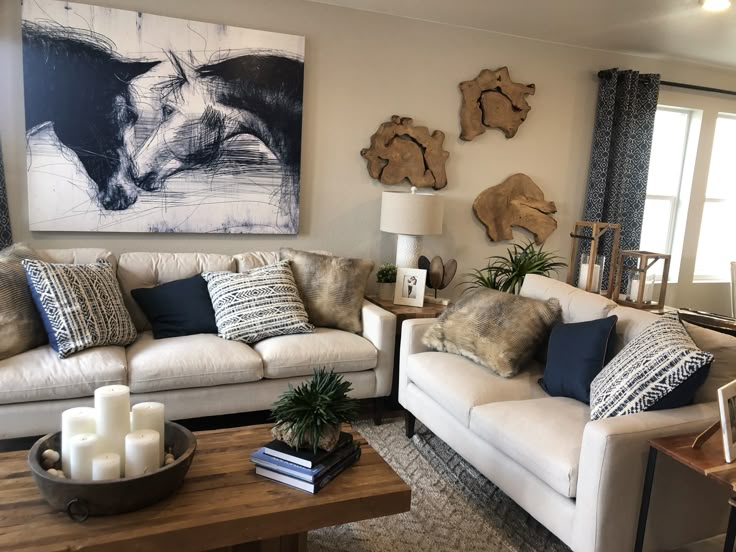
pixel 408 249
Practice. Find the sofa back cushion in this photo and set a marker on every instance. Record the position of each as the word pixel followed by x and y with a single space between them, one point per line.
pixel 81 255
pixel 577 305
pixel 723 367
pixel 144 270
pixel 631 322
pixel 255 259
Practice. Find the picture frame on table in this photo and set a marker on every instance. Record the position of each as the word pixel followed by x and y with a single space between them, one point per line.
pixel 727 405
pixel 410 284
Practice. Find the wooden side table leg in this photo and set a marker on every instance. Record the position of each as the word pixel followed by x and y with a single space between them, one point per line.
pixel 646 494
pixel 731 531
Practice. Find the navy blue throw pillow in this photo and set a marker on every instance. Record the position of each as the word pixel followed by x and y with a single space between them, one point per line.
pixel 181 307
pixel 575 355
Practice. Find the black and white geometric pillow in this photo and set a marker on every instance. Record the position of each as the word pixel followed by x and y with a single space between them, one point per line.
pixel 263 302
pixel 81 305
pixel 648 368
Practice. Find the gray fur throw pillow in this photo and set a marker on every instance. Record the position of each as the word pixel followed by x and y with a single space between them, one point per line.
pixel 332 288
pixel 498 330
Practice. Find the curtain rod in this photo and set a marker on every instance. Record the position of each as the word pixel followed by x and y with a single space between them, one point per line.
pixel 700 88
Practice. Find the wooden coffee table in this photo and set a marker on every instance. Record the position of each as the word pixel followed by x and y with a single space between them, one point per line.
pixel 221 505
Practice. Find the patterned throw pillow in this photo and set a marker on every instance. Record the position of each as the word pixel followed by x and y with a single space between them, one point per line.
pixel 81 305
pixel 263 302
pixel 660 363
pixel 498 330
pixel 332 287
pixel 21 327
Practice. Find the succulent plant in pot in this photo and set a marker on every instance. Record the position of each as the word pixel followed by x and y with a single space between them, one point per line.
pixel 386 278
pixel 311 414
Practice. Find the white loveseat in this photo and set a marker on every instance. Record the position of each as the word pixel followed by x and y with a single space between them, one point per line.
pixel 198 375
pixel 582 479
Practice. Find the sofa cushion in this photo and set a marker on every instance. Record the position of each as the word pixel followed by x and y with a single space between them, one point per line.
pixel 287 356
pixel 40 375
pixel 80 255
pixel 576 305
pixel 459 384
pixel 499 330
pixel 255 259
pixel 144 270
pixel 542 435
pixel 723 368
pixel 201 360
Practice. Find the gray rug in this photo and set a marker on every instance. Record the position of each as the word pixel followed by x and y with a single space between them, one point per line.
pixel 453 507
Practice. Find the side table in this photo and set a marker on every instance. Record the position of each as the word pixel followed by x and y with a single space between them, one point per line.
pixel 708 461
pixel 402 312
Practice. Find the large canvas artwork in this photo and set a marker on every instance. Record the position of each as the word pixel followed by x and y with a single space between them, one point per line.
pixel 142 123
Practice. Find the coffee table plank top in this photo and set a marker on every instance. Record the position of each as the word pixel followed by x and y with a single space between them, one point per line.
pixel 221 503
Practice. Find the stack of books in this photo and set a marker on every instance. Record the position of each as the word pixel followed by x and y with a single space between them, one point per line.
pixel 302 468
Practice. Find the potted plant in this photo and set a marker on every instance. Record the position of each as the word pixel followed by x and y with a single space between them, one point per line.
pixel 386 278
pixel 311 414
pixel 506 273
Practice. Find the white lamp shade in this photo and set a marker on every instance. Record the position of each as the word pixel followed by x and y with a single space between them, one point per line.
pixel 411 213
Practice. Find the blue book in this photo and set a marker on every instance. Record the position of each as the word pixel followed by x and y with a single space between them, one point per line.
pixel 264 460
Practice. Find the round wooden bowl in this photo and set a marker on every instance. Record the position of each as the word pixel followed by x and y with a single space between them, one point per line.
pixel 81 499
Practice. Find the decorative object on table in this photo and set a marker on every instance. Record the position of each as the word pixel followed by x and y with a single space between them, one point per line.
pixel 517 201
pixel 411 216
pixel 727 407
pixel 493 100
pixel 311 414
pixel 207 116
pixel 635 267
pixel 399 151
pixel 305 458
pixel 507 273
pixel 6 231
pixel 386 278
pixel 588 240
pixel 478 327
pixel 80 499
pixel 440 274
pixel 660 368
pixel 409 288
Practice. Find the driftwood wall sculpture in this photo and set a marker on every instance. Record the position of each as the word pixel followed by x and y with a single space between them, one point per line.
pixel 400 150
pixel 517 201
pixel 493 100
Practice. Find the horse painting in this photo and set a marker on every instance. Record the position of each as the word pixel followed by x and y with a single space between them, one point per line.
pixel 203 107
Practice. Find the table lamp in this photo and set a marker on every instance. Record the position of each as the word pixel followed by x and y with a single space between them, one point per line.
pixel 411 215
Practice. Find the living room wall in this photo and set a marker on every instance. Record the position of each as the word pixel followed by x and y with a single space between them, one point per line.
pixel 360 69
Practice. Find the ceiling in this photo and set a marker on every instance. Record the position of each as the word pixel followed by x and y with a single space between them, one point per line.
pixel 669 28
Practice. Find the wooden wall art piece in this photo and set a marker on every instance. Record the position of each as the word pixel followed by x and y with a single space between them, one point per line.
pixel 492 100
pixel 400 150
pixel 517 201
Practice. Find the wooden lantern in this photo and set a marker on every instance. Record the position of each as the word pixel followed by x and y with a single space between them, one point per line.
pixel 597 231
pixel 644 261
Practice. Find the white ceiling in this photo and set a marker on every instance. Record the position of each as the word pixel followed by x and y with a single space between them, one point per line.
pixel 671 28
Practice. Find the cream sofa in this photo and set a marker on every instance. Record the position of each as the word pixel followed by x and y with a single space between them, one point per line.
pixel 582 479
pixel 198 375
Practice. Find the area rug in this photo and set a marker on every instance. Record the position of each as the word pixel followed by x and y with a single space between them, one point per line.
pixel 453 507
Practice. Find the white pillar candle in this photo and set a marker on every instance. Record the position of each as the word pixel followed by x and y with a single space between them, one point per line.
pixel 595 283
pixel 82 449
pixel 149 415
pixel 112 406
pixel 106 466
pixel 73 422
pixel 141 452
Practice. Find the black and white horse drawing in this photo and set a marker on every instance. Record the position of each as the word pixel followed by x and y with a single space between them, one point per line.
pixel 76 82
pixel 204 106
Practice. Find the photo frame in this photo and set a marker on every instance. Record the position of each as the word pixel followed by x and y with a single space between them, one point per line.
pixel 727 405
pixel 409 290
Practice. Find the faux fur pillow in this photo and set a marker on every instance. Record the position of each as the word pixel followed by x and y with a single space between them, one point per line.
pixel 498 330
pixel 332 288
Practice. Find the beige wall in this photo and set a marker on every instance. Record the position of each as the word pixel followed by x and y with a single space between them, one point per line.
pixel 360 69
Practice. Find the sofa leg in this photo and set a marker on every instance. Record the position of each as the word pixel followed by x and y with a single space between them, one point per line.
pixel 409 421
pixel 378 403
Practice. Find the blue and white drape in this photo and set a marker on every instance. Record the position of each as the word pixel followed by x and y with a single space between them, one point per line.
pixel 6 234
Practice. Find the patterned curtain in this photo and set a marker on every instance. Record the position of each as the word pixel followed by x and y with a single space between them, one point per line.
pixel 619 161
pixel 6 234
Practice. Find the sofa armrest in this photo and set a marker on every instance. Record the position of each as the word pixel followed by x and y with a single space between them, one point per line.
pixel 379 327
pixel 613 461
pixel 411 343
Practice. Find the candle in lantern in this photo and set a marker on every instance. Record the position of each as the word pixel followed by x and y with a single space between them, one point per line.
pixel 149 415
pixel 595 283
pixel 106 466
pixel 73 422
pixel 141 452
pixel 112 407
pixel 82 449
